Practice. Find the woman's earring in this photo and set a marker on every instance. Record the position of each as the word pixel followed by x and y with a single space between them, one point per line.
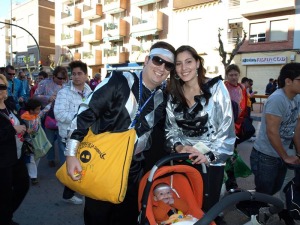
pixel 176 76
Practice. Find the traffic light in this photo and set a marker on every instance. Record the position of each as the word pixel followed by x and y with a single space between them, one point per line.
pixel 40 66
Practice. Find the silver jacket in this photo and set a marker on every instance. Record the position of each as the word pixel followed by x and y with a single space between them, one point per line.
pixel 213 125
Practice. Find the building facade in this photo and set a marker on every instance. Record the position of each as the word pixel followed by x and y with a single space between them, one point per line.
pixel 114 32
pixel 33 37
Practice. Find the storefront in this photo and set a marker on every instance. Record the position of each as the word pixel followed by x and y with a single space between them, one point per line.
pixel 261 68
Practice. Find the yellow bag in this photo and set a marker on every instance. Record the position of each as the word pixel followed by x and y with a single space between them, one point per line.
pixel 105 160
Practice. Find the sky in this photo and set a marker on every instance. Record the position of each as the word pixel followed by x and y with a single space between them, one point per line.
pixel 5 7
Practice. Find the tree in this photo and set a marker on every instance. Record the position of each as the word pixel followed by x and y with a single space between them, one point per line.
pixel 26 60
pixel 238 43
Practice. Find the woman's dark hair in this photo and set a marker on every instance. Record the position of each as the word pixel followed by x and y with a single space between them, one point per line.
pixel 80 64
pixel 32 104
pixel 175 88
pixel 60 69
pixel 291 71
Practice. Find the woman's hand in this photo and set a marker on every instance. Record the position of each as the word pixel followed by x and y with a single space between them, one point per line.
pixel 195 156
pixel 73 167
pixel 20 129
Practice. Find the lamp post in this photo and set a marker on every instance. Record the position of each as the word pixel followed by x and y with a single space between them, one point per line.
pixel 11 58
pixel 39 53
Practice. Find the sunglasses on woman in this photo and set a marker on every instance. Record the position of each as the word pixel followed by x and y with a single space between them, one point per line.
pixel 61 78
pixel 157 61
pixel 3 87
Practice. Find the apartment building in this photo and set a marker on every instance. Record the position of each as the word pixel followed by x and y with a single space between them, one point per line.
pixel 272 30
pixel 36 40
pixel 273 38
pixel 4 43
pixel 110 32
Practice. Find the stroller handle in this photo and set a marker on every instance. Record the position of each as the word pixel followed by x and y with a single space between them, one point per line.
pixel 169 158
pixel 174 156
pixel 277 204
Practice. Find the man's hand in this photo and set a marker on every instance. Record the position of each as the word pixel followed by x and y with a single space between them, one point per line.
pixel 293 160
pixel 52 98
pixel 73 167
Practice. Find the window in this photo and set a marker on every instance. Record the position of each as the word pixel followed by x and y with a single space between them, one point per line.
pixel 31 57
pixel 52 39
pixel 52 20
pixel 193 34
pixel 235 30
pixel 233 3
pixel 279 30
pixel 257 32
pixel 20 59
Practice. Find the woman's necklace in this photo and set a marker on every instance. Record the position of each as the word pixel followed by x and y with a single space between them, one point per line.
pixel 9 115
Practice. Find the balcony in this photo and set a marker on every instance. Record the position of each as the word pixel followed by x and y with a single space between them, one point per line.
pixel 77 55
pixel 143 2
pixel 69 2
pixel 92 35
pixel 139 53
pixel 72 17
pixel 114 55
pixel 92 57
pixel 178 4
pixel 114 30
pixel 151 23
pixel 258 7
pixel 114 6
pixel 71 39
pixel 65 58
pixel 92 12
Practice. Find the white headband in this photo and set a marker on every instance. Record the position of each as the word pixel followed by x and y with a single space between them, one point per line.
pixel 162 187
pixel 164 52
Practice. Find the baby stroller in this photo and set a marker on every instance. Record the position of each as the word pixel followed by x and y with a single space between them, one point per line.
pixel 185 181
pixel 188 183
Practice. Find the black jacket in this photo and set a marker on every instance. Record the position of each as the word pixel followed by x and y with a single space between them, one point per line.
pixel 8 147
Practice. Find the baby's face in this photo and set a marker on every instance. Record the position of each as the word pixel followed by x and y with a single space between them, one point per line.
pixel 164 195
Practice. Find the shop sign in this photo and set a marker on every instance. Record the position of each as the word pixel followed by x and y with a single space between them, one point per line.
pixel 264 60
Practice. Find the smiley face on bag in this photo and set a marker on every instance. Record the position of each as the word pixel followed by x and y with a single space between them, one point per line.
pixel 85 156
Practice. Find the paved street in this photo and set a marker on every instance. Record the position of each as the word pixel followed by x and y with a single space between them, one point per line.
pixel 44 205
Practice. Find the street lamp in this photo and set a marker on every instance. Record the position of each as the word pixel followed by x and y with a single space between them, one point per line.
pixel 39 53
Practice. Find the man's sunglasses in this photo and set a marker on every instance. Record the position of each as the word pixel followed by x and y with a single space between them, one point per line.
pixel 61 78
pixel 11 74
pixel 157 61
pixel 3 87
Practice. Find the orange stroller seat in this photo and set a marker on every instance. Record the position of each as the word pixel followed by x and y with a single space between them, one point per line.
pixel 185 180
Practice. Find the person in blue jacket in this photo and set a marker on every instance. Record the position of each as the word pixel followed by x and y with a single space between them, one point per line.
pixel 15 90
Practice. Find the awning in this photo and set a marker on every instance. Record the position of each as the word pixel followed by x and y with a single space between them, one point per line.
pixel 144 33
pixel 113 38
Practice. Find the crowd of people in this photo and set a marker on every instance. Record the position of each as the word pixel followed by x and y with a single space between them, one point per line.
pixel 191 109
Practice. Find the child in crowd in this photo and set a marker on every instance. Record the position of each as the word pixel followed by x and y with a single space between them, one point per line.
pixel 168 208
pixel 32 120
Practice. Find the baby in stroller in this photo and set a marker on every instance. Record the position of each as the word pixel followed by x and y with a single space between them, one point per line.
pixel 168 208
pixel 184 183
